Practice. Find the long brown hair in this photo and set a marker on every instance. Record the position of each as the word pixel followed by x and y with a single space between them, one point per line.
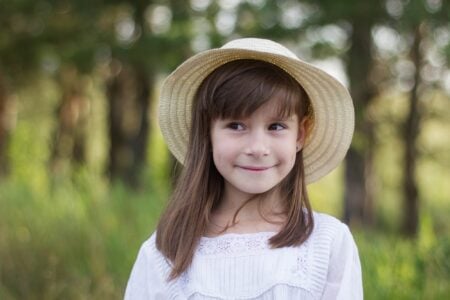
pixel 234 90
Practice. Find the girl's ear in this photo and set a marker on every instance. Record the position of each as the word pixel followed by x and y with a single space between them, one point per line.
pixel 301 136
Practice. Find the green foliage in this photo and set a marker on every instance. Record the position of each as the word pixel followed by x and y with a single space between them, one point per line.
pixel 396 268
pixel 77 241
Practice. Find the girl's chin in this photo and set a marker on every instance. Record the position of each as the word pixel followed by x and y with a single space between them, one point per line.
pixel 252 191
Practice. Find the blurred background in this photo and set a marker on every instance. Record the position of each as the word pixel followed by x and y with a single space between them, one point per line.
pixel 84 173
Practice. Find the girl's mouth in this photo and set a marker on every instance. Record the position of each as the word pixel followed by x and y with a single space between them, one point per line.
pixel 254 168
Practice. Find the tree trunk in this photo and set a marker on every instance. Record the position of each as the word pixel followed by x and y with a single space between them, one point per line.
pixel 7 121
pixel 69 137
pixel 129 102
pixel 411 132
pixel 359 191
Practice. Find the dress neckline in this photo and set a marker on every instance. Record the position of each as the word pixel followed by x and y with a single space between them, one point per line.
pixel 239 235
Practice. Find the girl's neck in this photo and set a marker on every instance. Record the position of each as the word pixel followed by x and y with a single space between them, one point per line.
pixel 262 214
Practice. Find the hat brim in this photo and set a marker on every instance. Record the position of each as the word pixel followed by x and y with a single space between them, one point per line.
pixel 331 135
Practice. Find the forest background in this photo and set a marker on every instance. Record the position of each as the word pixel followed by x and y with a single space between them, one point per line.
pixel 84 173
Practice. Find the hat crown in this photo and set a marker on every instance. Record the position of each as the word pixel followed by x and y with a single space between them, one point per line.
pixel 260 45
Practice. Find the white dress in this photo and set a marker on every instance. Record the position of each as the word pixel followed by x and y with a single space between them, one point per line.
pixel 243 266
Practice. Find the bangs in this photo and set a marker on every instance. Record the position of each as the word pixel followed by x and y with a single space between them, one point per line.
pixel 237 89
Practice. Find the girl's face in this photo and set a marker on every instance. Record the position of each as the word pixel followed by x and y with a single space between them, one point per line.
pixel 256 153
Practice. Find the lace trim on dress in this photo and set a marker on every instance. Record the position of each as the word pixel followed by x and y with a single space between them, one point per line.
pixel 235 243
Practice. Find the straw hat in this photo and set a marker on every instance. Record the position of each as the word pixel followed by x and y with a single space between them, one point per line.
pixel 332 105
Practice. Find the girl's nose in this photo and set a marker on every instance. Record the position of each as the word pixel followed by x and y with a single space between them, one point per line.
pixel 257 145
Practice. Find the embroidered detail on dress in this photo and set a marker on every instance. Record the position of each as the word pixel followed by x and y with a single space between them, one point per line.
pixel 234 243
pixel 184 278
pixel 301 268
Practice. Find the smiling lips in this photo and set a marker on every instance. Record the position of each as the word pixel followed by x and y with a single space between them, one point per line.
pixel 254 169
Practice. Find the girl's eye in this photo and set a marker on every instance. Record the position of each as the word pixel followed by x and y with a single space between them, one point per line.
pixel 277 126
pixel 235 126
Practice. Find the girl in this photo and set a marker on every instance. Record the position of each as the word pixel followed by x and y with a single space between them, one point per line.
pixel 252 125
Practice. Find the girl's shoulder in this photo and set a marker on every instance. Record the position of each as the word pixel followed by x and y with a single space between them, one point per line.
pixel 149 255
pixel 323 219
pixel 327 225
pixel 148 276
pixel 330 233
